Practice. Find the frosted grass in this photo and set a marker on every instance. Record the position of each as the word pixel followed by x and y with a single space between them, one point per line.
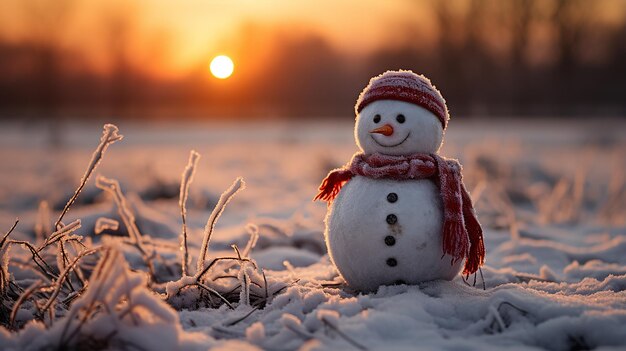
pixel 237 185
pixel 109 136
pixel 187 178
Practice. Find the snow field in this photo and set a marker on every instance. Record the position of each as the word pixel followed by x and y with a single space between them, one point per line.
pixel 551 198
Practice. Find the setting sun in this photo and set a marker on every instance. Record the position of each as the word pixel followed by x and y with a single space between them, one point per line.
pixel 222 67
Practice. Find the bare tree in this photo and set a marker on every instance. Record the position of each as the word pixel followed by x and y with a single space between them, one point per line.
pixel 570 19
pixel 118 26
pixel 46 22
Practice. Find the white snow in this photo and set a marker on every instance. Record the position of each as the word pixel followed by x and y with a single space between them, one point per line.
pixel 555 273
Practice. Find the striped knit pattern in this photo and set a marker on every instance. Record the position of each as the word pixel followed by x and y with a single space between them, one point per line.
pixel 404 86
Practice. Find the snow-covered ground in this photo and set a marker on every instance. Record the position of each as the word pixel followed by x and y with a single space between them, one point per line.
pixel 550 194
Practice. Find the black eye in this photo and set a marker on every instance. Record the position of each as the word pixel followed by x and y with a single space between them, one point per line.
pixel 400 118
pixel 376 118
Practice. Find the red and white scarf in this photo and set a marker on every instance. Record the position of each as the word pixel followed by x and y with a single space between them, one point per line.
pixel 462 234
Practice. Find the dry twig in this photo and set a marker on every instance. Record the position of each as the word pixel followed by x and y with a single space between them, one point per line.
pixel 184 193
pixel 109 136
pixel 342 334
pixel 237 185
pixel 112 186
pixel 23 297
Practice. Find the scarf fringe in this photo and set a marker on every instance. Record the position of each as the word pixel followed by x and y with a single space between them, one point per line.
pixel 330 187
pixel 476 254
pixel 454 241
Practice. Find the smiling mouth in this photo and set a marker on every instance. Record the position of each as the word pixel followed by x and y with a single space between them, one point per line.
pixel 383 145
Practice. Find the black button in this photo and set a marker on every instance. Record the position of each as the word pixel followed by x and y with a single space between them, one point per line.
pixel 390 240
pixel 400 282
pixel 392 219
pixel 392 197
pixel 391 262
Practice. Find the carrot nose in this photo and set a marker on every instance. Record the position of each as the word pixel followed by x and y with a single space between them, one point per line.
pixel 385 130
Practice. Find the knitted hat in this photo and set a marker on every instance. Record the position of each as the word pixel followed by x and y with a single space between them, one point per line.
pixel 404 86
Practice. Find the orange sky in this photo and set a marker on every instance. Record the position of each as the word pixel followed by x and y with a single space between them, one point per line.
pixel 190 30
pixel 171 36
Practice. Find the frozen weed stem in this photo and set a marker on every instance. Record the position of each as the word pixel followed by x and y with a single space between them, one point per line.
pixel 60 233
pixel 4 259
pixel 42 224
pixel 23 297
pixel 62 236
pixel 64 275
pixel 187 178
pixel 112 186
pixel 103 224
pixel 109 136
pixel 237 185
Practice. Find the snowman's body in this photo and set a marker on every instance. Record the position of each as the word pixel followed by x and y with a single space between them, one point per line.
pixel 374 240
pixel 382 232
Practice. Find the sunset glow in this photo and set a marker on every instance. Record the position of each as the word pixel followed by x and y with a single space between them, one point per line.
pixel 222 67
pixel 305 58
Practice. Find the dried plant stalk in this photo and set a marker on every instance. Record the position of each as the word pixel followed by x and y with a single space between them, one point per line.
pixel 237 185
pixel 23 297
pixel 59 233
pixel 187 178
pixel 112 186
pixel 253 229
pixel 103 224
pixel 6 235
pixel 63 276
pixel 39 261
pixel 4 259
pixel 343 335
pixel 42 225
pixel 109 136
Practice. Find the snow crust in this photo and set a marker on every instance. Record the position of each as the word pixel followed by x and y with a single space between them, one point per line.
pixel 551 199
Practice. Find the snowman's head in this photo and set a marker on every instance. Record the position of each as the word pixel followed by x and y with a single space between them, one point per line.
pixel 400 113
pixel 397 128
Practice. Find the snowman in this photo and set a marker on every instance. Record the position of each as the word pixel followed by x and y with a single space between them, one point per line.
pixel 398 212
